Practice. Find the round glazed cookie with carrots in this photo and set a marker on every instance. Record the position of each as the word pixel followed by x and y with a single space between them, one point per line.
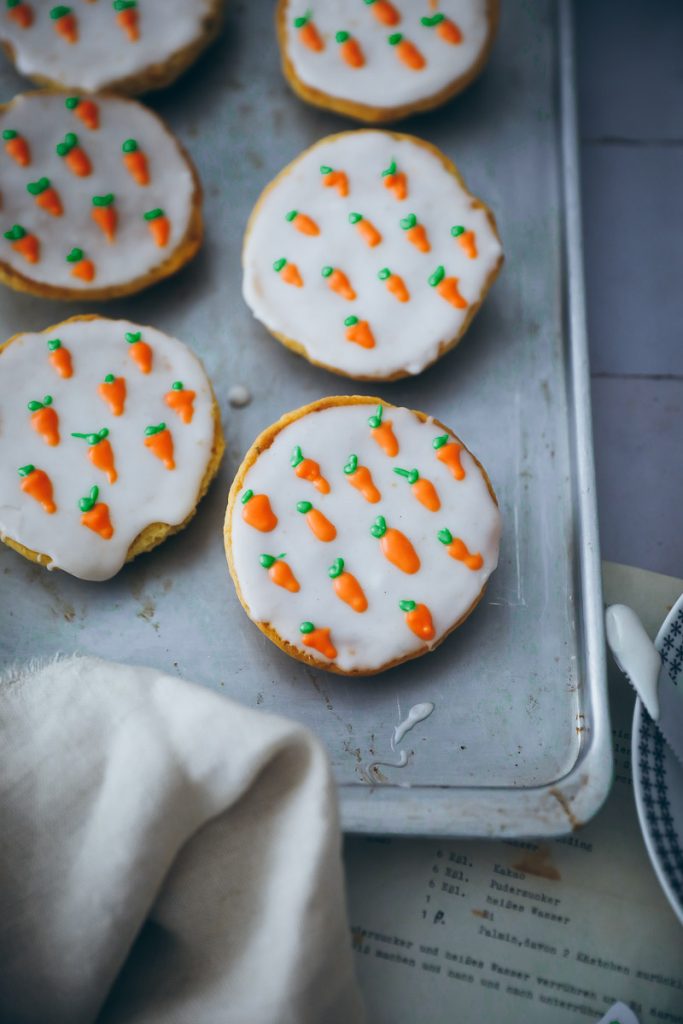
pixel 369 256
pixel 128 46
pixel 99 199
pixel 359 534
pixel 381 60
pixel 109 437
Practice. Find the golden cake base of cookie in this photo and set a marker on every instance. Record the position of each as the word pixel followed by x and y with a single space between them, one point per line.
pixel 381 115
pixel 261 444
pixel 478 204
pixel 155 533
pixel 182 254
pixel 155 76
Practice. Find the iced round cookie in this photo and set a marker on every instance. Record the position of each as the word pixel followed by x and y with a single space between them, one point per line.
pixel 109 437
pixel 99 199
pixel 128 46
pixel 359 534
pixel 368 255
pixel 381 60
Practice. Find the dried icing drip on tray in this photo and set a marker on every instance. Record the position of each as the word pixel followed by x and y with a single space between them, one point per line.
pixel 370 254
pixel 96 192
pixel 341 554
pixel 384 53
pixel 105 428
pixel 90 45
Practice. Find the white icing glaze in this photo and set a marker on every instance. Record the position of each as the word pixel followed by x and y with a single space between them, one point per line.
pixel 408 335
pixel 384 81
pixel 43 120
pixel 145 492
pixel 103 53
pixel 417 713
pixel 635 654
pixel 371 639
pixel 239 396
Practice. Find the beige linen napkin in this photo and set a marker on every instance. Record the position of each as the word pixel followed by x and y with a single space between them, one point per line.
pixel 165 856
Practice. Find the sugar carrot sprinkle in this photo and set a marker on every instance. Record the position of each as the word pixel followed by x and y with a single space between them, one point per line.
pixel 302 222
pixel 27 245
pixel 74 156
pixel 113 391
pixel 359 332
pixel 424 490
pixel 280 573
pixel 338 282
pixel 360 477
pixel 45 420
pixel 257 511
pixel 346 586
pixel 181 400
pixel 100 452
pixel 159 226
pixel 96 515
pixel 46 197
pixel 308 33
pixel 384 11
pixel 87 111
pixel 335 179
pixel 16 147
pixel 65 23
pixel 447 288
pixel 350 50
pixel 135 162
pixel 383 433
pixel 318 524
pixel 396 181
pixel 289 273
pixel 394 284
pixel 445 28
pixel 159 440
pixel 37 484
pixel 415 233
pixel 20 13
pixel 319 639
pixel 308 469
pixel 82 268
pixel 418 618
pixel 139 351
pixel 458 550
pixel 449 452
pixel 407 52
pixel 105 216
pixel 395 546
pixel 128 19
pixel 60 358
pixel 366 229
pixel 467 241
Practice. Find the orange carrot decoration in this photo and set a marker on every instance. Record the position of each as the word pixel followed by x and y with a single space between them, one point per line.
pixel 289 273
pixel 306 225
pixel 335 179
pixel 27 245
pixel 82 268
pixel 37 484
pixel 359 332
pixel 257 512
pixel 467 240
pixel 86 111
pixel 100 453
pixel 60 358
pixel 396 181
pixel 383 433
pixel 159 226
pixel 424 490
pixel 139 351
pixel 127 18
pixel 338 282
pixel 96 514
pixel 447 287
pixel 46 197
pixel 308 469
pixel 360 477
pixel 457 549
pixel 319 525
pixel 16 147
pixel 308 33
pixel 445 28
pixel 135 162
pixel 395 546
pixel 75 158
pixel 350 50
pixel 105 216
pixel 113 391
pixel 45 420
pixel 418 618
pixel 160 442
pixel 65 23
pixel 181 400
pixel 346 587
pixel 415 233
pixel 384 11
pixel 448 452
pixel 395 285
pixel 20 13
pixel 280 573
pixel 407 52
pixel 318 639
pixel 367 231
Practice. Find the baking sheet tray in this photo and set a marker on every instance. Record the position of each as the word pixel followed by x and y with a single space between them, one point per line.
pixel 518 742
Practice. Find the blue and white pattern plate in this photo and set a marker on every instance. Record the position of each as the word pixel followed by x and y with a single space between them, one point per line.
pixel 658 775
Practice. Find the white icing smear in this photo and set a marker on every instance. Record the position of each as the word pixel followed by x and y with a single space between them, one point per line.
pixel 384 80
pixel 417 713
pixel 43 121
pixel 364 640
pixel 635 654
pixel 408 335
pixel 145 491
pixel 103 52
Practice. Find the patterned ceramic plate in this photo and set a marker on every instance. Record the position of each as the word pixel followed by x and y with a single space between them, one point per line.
pixel 658 775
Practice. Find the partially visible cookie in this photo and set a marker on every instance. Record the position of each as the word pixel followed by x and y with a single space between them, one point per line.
pixel 109 437
pixel 368 255
pixel 359 535
pixel 129 46
pixel 99 199
pixel 381 60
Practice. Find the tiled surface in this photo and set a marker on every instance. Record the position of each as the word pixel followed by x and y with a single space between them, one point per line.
pixel 631 124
